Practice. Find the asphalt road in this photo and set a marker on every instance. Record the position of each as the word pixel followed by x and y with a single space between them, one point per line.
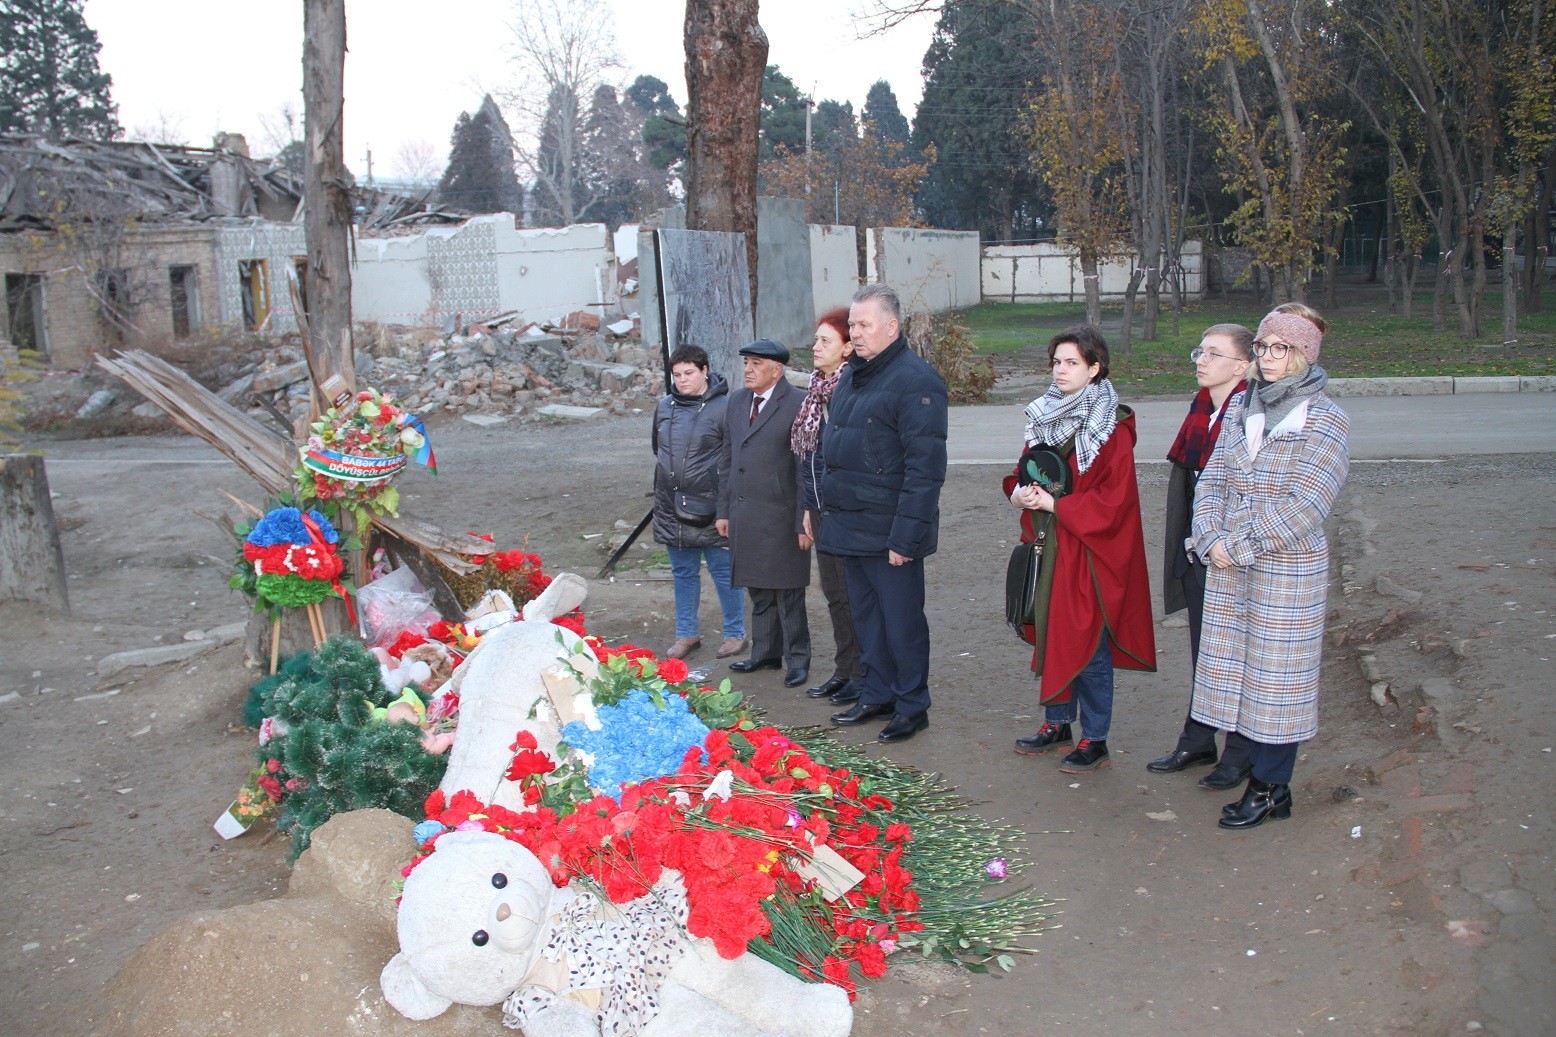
pixel 1382 427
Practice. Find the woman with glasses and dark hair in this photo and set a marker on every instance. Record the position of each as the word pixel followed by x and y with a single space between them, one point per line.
pixel 1220 366
pixel 1259 515
pixel 1098 613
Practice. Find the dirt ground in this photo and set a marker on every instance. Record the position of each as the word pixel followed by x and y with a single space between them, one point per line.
pixel 1410 893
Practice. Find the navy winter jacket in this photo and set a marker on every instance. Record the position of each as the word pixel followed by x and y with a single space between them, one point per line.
pixel 885 453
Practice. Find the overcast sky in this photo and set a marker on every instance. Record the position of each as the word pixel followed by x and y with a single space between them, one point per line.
pixel 199 66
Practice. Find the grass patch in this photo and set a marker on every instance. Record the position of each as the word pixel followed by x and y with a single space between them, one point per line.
pixel 1364 340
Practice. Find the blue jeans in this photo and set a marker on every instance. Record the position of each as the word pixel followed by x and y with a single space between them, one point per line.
pixel 686 567
pixel 1092 691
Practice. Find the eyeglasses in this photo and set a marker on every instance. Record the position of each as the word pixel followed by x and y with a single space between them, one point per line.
pixel 1273 349
pixel 1199 351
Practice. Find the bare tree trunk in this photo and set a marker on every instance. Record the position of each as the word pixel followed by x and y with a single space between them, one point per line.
pixel 1092 285
pixel 32 566
pixel 1126 334
pixel 1509 290
pixel 327 199
pixel 1535 248
pixel 726 54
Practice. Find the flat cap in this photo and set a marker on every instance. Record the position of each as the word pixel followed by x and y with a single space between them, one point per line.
pixel 767 348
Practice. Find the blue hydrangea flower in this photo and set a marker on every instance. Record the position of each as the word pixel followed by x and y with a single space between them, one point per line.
pixel 426 830
pixel 636 740
pixel 285 526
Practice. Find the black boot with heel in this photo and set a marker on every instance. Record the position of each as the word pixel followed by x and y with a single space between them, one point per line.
pixel 1261 800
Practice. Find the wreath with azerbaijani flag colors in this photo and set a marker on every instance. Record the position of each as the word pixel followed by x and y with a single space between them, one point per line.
pixel 355 450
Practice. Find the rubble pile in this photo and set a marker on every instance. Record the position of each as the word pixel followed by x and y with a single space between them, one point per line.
pixel 503 372
pixel 574 369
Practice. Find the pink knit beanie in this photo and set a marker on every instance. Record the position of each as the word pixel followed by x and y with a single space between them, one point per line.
pixel 1295 331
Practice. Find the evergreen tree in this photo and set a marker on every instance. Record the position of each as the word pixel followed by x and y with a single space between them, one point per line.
pixel 664 127
pixel 783 114
pixel 976 76
pixel 480 176
pixel 883 114
pixel 610 145
pixel 834 126
pixel 50 83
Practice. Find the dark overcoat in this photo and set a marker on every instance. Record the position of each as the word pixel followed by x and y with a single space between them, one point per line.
pixel 688 441
pixel 760 495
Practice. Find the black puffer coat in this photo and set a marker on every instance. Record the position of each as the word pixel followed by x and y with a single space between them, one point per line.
pixel 885 454
pixel 688 443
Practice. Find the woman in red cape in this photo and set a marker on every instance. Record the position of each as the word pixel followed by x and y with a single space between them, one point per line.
pixel 1098 614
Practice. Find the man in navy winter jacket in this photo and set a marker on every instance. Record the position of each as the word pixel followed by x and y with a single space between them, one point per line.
pixel 885 451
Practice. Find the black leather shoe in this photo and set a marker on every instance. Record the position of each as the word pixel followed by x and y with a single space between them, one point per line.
pixel 752 665
pixel 1088 756
pixel 826 690
pixel 1047 736
pixel 861 713
pixel 900 728
pixel 1260 802
pixel 796 676
pixel 847 695
pixel 1226 776
pixel 1180 759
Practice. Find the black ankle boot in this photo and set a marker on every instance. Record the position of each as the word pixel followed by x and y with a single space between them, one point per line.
pixel 1260 801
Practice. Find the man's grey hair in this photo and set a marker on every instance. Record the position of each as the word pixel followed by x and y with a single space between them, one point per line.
pixel 884 295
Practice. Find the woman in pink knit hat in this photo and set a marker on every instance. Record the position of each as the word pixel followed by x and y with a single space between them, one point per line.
pixel 1259 513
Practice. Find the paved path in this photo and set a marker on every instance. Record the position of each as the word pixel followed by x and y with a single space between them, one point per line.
pixel 1382 427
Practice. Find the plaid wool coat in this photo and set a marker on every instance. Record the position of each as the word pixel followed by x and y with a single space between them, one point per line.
pixel 1263 633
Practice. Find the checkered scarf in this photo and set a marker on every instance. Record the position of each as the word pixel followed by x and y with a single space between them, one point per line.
pixel 1089 415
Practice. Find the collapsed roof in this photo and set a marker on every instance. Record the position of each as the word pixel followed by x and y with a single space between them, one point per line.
pixel 42 181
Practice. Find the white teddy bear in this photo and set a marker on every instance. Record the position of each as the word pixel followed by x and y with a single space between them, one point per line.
pixel 481 924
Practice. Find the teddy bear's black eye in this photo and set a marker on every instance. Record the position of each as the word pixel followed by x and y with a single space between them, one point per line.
pixel 479 938
pixel 499 880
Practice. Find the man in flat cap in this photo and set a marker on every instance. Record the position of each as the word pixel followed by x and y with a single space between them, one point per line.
pixel 762 513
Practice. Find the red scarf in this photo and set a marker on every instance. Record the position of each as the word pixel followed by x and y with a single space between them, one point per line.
pixel 1197 436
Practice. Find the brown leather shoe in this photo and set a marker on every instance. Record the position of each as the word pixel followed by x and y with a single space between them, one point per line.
pixel 683 647
pixel 731 646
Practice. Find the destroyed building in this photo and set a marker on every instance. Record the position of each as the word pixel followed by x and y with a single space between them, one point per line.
pixel 104 243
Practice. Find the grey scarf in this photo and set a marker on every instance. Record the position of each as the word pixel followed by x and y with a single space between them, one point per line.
pixel 1089 415
pixel 1275 400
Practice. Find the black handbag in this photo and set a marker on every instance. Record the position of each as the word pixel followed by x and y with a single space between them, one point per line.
pixel 692 511
pixel 1022 577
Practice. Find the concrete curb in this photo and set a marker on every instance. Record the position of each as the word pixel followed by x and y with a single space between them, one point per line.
pixel 1439 385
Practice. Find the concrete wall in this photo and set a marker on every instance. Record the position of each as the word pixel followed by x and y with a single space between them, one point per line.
pixel 548 272
pixel 391 281
pixel 1049 272
pixel 785 307
pixel 483 267
pixel 934 270
pixel 834 265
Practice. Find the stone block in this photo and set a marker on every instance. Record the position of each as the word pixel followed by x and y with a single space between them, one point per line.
pixel 1537 383
pixel 1502 383
pixel 175 653
pixel 562 410
pixel 269 381
pixel 1425 386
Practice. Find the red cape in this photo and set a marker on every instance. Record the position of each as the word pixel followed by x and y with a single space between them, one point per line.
pixel 1100 578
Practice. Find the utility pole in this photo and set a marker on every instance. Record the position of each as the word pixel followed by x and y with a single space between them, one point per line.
pixel 810 106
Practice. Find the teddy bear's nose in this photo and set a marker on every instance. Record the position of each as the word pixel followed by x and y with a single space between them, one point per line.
pixel 503 911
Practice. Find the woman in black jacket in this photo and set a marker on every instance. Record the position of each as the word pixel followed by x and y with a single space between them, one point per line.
pixel 689 450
